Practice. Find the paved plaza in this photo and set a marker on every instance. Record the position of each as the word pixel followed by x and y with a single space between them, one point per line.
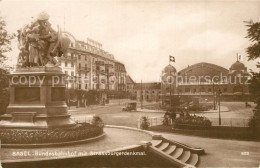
pixel 223 153
pixel 219 152
pixel 235 114
pixel 115 138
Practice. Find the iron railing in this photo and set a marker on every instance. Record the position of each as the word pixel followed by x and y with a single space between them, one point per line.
pixel 229 122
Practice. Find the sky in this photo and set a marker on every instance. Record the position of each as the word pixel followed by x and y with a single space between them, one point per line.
pixel 142 34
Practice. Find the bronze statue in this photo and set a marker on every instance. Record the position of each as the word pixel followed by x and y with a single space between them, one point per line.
pixel 39 43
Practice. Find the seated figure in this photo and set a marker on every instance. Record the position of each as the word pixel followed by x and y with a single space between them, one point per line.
pixel 39 43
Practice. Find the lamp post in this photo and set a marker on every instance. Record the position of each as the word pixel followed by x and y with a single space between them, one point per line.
pixel 214 94
pixel 219 117
pixel 67 92
pixel 213 91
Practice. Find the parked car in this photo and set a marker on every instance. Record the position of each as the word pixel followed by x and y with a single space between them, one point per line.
pixel 130 107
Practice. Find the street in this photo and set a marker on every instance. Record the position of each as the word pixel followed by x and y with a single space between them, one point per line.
pixel 112 114
pixel 219 152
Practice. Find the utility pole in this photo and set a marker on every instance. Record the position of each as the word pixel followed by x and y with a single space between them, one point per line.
pixel 141 98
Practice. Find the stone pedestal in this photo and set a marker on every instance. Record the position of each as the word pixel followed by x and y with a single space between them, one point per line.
pixel 37 99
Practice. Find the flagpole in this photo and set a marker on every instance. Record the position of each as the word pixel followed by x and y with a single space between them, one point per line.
pixel 171 60
pixel 171 89
pixel 170 83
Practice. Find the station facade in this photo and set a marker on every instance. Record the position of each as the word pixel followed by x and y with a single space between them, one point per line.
pixel 204 80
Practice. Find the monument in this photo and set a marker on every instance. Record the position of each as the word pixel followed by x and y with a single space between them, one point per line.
pixel 37 112
pixel 37 99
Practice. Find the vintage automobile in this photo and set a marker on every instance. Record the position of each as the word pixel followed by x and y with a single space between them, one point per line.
pixel 130 107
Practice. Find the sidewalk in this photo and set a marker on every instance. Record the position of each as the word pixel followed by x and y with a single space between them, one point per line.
pixel 222 109
pixel 150 111
pixel 82 109
pixel 91 107
pixel 221 152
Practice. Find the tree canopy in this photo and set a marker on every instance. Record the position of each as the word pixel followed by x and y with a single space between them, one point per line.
pixel 253 33
pixel 5 46
pixel 253 51
pixel 5 41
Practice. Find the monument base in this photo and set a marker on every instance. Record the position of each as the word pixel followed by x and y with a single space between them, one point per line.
pixel 37 99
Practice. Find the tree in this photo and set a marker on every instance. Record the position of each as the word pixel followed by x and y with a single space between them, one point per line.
pixel 253 51
pixel 5 46
pixel 4 92
pixel 173 104
pixel 254 89
pixel 5 41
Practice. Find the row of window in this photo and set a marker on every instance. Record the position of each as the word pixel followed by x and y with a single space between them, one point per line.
pixel 86 86
pixel 120 67
pixel 71 64
pixel 194 90
pixel 147 97
pixel 187 90
pixel 86 66
pixel 143 91
pixel 86 57
pixel 71 73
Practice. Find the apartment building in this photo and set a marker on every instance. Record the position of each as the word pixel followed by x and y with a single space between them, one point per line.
pixel 91 67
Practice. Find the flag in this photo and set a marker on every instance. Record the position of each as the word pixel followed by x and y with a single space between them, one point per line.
pixel 240 58
pixel 172 58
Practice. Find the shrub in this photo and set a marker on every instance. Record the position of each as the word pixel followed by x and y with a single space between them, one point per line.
pixel 4 100
pixel 168 116
pixel 56 135
pixel 254 122
pixel 254 89
pixel 4 92
pixel 144 123
pixel 165 120
pixel 192 121
pixel 195 107
pixel 97 121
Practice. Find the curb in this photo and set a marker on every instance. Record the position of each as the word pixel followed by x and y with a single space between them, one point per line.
pixel 131 128
pixel 125 148
pixel 156 135
pixel 99 137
